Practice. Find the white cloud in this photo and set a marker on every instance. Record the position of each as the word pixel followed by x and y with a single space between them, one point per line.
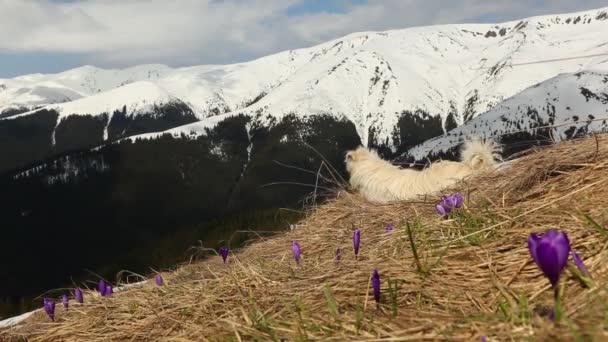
pixel 124 32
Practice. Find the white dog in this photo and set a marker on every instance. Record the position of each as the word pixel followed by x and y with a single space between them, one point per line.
pixel 380 181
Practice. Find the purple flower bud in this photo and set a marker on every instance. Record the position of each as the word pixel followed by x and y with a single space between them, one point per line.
pixel 78 295
pixel 356 241
pixel 224 253
pixel 297 252
pixel 109 291
pixel 338 254
pixel 483 338
pixel 390 227
pixel 101 287
pixel 65 300
pixel 49 308
pixel 376 285
pixel 580 265
pixel 158 279
pixel 550 252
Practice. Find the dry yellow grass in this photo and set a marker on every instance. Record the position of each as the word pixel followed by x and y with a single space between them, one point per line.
pixel 472 266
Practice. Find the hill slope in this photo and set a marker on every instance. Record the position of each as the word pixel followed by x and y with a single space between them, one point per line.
pixel 473 275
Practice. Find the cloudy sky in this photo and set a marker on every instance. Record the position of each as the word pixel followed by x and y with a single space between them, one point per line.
pixel 55 35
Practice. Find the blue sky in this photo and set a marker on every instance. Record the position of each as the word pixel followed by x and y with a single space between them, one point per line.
pixel 316 6
pixel 54 35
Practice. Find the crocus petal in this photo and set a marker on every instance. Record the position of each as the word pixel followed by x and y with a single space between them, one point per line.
pixel 442 210
pixel 390 227
pixel 533 240
pixel 547 255
pixel 158 279
pixel 376 285
pixel 65 300
pixel 551 259
pixel 551 234
pixel 78 295
pixel 295 248
pixel 580 264
pixel 109 291
pixel 338 254
pixel 356 241
pixel 448 202
pixel 562 244
pixel 452 202
pixel 458 200
pixel 101 287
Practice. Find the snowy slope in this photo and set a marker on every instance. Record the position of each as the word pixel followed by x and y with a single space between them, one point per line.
pixel 38 90
pixel 570 103
pixel 138 97
pixel 368 77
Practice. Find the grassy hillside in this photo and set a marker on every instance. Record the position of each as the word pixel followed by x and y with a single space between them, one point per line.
pixel 471 275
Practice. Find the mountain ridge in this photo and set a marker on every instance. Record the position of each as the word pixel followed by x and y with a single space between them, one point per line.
pixel 369 77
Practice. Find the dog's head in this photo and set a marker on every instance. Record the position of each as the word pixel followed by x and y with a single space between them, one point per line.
pixel 354 156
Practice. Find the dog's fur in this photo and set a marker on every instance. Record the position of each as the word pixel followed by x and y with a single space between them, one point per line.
pixel 380 181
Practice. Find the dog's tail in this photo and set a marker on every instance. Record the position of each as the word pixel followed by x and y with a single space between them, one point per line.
pixel 480 154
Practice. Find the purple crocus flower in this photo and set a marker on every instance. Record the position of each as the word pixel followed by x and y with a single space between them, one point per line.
pixel 483 338
pixel 376 285
pixel 338 254
pixel 65 300
pixel 158 279
pixel 580 265
pixel 224 253
pixel 297 252
pixel 101 287
pixel 550 252
pixel 109 291
pixel 78 295
pixel 49 308
pixel 448 203
pixel 356 241
pixel 390 227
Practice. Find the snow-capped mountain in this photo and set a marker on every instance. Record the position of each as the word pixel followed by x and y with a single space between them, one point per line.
pixel 557 109
pixel 34 91
pixel 370 78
